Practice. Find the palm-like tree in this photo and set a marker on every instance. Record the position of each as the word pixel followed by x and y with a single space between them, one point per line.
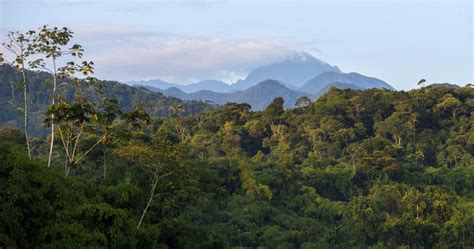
pixel 176 109
pixel 422 82
pixel 302 101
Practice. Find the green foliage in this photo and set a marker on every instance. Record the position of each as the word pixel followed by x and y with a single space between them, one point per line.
pixel 355 169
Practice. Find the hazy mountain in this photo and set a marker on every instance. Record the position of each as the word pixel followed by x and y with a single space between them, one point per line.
pixel 262 94
pixel 157 83
pixel 258 96
pixel 301 72
pixel 337 85
pixel 213 85
pixel 294 71
pixel 316 84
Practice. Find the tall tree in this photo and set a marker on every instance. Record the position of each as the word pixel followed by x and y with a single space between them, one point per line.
pixel 19 45
pixel 74 119
pixel 52 43
pixel 164 158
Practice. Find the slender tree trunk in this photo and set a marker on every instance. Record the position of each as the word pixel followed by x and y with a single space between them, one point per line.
pixel 152 194
pixel 53 101
pixel 66 163
pixel 105 162
pixel 25 97
pixel 68 169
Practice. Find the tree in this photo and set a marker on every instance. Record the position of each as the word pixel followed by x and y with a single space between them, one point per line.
pixel 302 101
pixel 162 159
pixel 52 43
pixel 176 109
pixel 421 82
pixel 73 119
pixel 449 103
pixel 19 45
pixel 275 108
pixel 395 126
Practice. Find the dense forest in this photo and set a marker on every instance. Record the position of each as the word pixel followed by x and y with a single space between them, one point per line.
pixel 128 168
pixel 355 169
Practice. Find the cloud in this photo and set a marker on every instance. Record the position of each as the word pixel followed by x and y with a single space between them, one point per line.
pixel 130 54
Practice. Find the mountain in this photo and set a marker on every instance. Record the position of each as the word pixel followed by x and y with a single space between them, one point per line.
pixel 213 85
pixel 175 92
pixel 262 94
pixel 294 71
pixel 318 83
pixel 11 98
pixel 258 96
pixel 300 72
pixel 339 86
pixel 299 75
pixel 157 83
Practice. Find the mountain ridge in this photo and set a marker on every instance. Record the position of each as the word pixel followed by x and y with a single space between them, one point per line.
pixel 299 75
pixel 317 83
pixel 299 72
pixel 258 96
pixel 294 71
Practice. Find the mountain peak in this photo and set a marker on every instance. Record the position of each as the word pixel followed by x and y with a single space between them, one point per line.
pixel 269 83
pixel 303 57
pixel 294 71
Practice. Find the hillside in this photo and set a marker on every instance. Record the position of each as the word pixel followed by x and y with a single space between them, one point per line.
pixel 11 98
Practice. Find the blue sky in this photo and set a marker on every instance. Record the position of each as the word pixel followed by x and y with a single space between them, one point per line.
pixel 186 41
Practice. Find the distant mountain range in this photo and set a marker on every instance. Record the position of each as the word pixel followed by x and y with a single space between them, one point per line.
pixel 294 71
pixel 316 84
pixel 214 85
pixel 258 96
pixel 298 75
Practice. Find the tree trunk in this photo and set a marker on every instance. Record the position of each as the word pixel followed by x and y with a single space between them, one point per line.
pixel 105 163
pixel 53 101
pixel 152 194
pixel 66 167
pixel 25 98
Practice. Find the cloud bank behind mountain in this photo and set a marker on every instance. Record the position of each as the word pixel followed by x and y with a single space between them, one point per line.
pixel 182 58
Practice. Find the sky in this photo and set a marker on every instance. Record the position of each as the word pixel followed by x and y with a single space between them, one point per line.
pixel 398 41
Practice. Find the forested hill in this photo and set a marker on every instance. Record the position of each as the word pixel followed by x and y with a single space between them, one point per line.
pixel 11 98
pixel 354 169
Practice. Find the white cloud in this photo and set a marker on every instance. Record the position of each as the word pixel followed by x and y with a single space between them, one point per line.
pixel 130 55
